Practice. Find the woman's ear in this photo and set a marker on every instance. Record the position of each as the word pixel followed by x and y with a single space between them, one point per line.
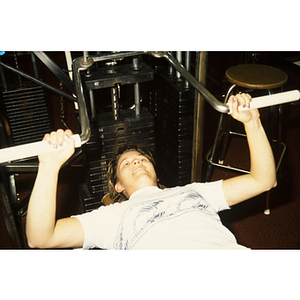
pixel 119 187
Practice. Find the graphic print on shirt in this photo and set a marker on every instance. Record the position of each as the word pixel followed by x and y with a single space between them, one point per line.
pixel 141 216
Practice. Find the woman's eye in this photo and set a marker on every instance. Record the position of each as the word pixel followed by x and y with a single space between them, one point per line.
pixel 124 164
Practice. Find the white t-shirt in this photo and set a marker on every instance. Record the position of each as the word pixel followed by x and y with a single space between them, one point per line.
pixel 173 218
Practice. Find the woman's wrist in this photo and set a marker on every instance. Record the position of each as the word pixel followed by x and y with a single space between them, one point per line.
pixel 253 124
pixel 49 167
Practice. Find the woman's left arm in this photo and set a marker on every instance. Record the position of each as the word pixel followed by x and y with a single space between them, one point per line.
pixel 262 175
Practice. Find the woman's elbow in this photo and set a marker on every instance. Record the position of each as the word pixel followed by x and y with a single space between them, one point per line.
pixel 35 244
pixel 270 184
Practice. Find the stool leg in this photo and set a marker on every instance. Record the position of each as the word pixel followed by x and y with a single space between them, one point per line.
pixel 267 209
pixel 272 120
pixel 275 138
pixel 279 138
pixel 214 146
pixel 279 135
pixel 226 137
pixel 225 142
pixel 280 108
pixel 213 150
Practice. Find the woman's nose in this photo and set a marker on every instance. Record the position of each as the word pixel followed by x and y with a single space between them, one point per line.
pixel 136 161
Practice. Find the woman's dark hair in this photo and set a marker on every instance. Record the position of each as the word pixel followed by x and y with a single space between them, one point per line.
pixel 113 164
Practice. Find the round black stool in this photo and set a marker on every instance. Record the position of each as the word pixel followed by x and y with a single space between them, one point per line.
pixel 249 77
pixel 257 77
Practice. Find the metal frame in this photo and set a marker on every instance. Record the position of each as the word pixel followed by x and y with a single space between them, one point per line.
pixel 83 63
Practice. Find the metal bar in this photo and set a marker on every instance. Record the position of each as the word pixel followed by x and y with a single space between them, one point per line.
pixel 188 64
pixel 35 69
pixel 83 116
pixel 55 69
pixel 68 56
pixel 117 55
pixel 92 103
pixel 115 102
pixel 136 88
pixel 198 132
pixel 3 78
pixel 170 68
pixel 39 82
pixel 229 168
pixel 85 56
pixel 179 59
pixel 32 166
pixel 17 67
pixel 188 60
pixel 225 140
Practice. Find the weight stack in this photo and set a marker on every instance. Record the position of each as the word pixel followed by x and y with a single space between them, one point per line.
pixel 109 135
pixel 26 112
pixel 174 130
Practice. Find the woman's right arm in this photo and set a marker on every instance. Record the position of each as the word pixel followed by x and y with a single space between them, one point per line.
pixel 42 228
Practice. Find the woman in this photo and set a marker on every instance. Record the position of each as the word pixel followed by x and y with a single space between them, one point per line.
pixel 152 218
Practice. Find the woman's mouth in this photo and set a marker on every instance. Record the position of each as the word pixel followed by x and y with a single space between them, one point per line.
pixel 137 169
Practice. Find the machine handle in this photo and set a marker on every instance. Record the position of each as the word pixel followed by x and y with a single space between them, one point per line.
pixel 32 149
pixel 270 100
pixel 201 89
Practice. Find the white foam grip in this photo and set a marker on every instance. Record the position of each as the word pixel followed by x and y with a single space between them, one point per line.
pixel 32 149
pixel 270 100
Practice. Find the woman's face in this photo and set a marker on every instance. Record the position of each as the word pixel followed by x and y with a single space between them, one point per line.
pixel 134 171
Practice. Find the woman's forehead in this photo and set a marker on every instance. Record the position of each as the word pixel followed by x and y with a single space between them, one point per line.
pixel 129 154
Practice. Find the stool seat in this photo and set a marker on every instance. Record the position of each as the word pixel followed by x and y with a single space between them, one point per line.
pixel 256 76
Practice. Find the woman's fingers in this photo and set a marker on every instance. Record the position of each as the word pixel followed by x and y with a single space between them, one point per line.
pixel 243 100
pixel 240 100
pixel 57 138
